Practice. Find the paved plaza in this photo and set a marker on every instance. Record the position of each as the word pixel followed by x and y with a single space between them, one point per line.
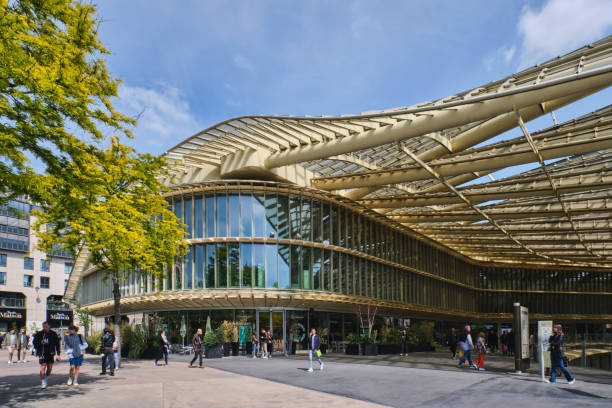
pixel 421 380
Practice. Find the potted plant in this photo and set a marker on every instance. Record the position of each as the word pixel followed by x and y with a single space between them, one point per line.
pixel 234 340
pixel 352 347
pixel 369 344
pixel 390 341
pixel 213 342
pixel 227 328
pixel 323 340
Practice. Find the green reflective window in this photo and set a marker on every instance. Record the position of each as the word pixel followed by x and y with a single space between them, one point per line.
pixel 272 266
pixel 221 265
pixel 326 285
pixel 259 265
pixel 234 264
pixel 283 217
pixel 246 257
pixel 306 221
pixel 306 271
pixel 271 205
pixel 199 266
pixel 210 266
pixel 317 272
pixel 210 216
pixel 294 214
pixel 198 231
pixel 188 215
pixel 259 216
pixel 284 262
pixel 246 215
pixel 295 266
pixel 188 269
pixel 316 222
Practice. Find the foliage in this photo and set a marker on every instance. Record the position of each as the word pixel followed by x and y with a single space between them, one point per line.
pixel 214 338
pixel 369 339
pixel 140 342
pixel 390 335
pixel 127 335
pixel 352 338
pixel 368 318
pixel 113 206
pixel 54 84
pixel 84 318
pixel 228 329
pixel 323 333
pixel 421 332
pixel 94 340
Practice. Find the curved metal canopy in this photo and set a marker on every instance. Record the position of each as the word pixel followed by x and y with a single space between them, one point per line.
pixel 410 163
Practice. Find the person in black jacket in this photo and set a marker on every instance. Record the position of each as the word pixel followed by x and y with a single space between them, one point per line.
pixel 556 355
pixel 451 342
pixel 404 343
pixel 314 344
pixel 47 345
pixel 108 338
pixel 196 342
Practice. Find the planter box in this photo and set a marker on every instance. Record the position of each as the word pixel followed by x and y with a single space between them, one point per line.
pixel 352 349
pixel 235 349
pixel 370 349
pixel 227 349
pixel 389 349
pixel 214 352
pixel 324 348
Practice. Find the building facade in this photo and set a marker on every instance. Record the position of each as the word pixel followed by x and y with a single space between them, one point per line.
pixel 300 222
pixel 32 282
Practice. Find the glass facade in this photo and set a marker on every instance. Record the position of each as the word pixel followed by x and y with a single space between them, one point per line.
pixel 265 237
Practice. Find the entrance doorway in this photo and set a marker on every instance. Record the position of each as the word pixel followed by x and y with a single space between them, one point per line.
pixel 274 321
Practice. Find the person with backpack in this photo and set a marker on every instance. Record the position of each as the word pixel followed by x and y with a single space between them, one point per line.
pixel 557 356
pixel 47 345
pixel 74 345
pixel 466 344
pixel 481 349
pixel 107 351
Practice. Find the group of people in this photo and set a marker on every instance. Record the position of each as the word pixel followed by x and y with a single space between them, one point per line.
pixel 16 342
pixel 483 344
pixel 263 344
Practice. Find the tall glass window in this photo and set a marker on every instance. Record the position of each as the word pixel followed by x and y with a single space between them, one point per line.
pixel 210 266
pixel 317 235
pixel 284 262
pixel 283 217
pixel 246 257
pixel 188 268
pixel 306 221
pixel 271 215
pixel 28 263
pixel 178 274
pixel 335 272
pixel 271 266
pixel 234 215
pixel 294 214
pixel 259 215
pixel 199 266
pixel 306 271
pixel 317 273
pixel 334 227
pixel 221 201
pixel 326 220
pixel 326 270
pixel 246 215
pixel 259 266
pixel 234 264
pixel 221 265
pixel 189 216
pixel 210 216
pixel 295 266
pixel 199 217
pixel 178 209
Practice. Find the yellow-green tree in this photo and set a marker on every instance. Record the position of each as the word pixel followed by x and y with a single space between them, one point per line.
pixel 54 85
pixel 113 205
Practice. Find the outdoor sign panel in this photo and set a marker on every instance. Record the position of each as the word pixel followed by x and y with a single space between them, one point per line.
pixel 524 332
pixel 58 318
pixel 544 333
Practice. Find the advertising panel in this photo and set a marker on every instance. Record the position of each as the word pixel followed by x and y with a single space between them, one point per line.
pixel 544 333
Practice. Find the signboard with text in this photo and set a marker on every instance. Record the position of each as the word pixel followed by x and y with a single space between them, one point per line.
pixel 544 333
pixel 524 332
pixel 59 318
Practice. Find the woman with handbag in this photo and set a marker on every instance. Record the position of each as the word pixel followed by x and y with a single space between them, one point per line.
pixel 556 355
pixel 164 345
pixel 314 348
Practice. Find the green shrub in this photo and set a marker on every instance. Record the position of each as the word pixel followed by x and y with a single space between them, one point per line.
pixel 139 342
pixel 94 340
pixel 390 335
pixel 214 338
pixel 352 338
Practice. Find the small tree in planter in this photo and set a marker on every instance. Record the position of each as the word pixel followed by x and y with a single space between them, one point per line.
pixel 367 320
pixel 352 347
pixel 213 341
pixel 227 328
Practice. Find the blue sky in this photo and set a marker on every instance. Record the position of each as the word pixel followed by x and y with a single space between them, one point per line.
pixel 190 64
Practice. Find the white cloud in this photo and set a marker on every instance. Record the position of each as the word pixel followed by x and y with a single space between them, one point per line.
pixel 508 53
pixel 164 116
pixel 503 54
pixel 560 27
pixel 242 62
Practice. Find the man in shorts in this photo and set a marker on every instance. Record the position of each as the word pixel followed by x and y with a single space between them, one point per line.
pixel 47 345
pixel 10 341
pixel 74 345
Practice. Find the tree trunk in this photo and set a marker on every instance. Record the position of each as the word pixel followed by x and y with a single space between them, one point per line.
pixel 117 307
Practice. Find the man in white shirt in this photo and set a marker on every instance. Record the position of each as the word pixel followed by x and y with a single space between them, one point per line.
pixel 10 341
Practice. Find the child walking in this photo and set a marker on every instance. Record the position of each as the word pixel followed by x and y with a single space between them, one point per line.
pixel 481 349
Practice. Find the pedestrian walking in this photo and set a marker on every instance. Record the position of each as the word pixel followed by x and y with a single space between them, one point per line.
pixel 557 355
pixel 263 343
pixel 255 342
pixel 451 341
pixel 164 346
pixel 116 355
pixel 270 344
pixel 108 358
pixel 481 349
pixel 74 346
pixel 47 345
pixel 196 342
pixel 23 340
pixel 10 342
pixel 314 349
pixel 466 344
pixel 404 343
